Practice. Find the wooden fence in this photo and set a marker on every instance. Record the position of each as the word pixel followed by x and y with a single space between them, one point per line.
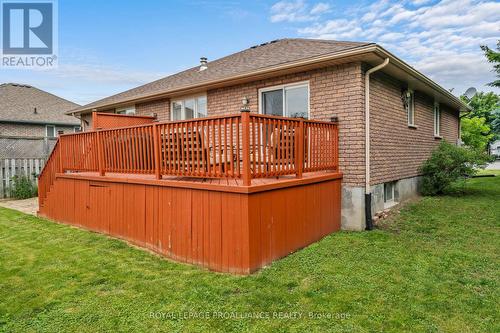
pixel 242 146
pixel 10 167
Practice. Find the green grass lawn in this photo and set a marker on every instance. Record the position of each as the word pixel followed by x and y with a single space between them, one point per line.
pixel 434 268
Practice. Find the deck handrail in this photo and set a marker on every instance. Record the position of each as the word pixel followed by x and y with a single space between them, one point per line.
pixel 47 175
pixel 243 146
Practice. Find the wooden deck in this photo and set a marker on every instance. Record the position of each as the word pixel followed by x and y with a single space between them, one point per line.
pixel 210 184
pixel 230 194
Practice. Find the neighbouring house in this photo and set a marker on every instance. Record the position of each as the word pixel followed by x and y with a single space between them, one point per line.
pixel 213 184
pixel 495 148
pixel 30 121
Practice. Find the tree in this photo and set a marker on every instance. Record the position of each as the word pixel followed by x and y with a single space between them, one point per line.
pixel 482 124
pixel 482 105
pixel 476 133
pixel 494 58
pixel 495 124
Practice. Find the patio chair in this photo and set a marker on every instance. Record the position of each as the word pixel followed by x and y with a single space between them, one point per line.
pixel 276 150
pixel 185 151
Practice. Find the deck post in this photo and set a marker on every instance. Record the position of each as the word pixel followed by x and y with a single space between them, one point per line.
pixel 245 128
pixel 100 154
pixel 336 152
pixel 156 147
pixel 299 157
pixel 335 122
pixel 94 120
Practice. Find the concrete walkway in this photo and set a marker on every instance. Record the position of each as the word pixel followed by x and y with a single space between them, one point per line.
pixel 27 206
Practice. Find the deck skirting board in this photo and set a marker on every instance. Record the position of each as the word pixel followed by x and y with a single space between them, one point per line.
pixel 216 228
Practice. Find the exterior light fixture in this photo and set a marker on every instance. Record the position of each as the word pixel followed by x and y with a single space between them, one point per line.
pixel 405 97
pixel 244 104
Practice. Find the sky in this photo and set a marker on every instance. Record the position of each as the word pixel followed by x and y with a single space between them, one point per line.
pixel 106 47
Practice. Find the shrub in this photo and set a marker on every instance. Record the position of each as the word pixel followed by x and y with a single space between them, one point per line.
pixel 23 188
pixel 447 164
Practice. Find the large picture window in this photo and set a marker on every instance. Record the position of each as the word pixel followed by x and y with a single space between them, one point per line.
pixel 189 108
pixel 290 100
pixel 128 110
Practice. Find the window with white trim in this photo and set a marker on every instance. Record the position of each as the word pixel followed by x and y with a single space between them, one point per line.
pixel 289 100
pixel 437 119
pixel 50 131
pixel 188 108
pixel 128 110
pixel 410 107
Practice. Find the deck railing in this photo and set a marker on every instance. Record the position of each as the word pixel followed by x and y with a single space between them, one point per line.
pixel 48 174
pixel 243 146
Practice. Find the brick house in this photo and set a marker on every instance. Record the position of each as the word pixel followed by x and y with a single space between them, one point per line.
pixel 30 120
pixel 408 114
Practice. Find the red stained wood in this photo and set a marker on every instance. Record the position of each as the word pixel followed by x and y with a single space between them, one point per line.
pixel 222 231
pixel 229 193
pixel 269 147
pixel 102 120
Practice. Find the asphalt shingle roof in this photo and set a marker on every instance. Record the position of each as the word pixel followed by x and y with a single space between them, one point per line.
pixel 258 57
pixel 18 103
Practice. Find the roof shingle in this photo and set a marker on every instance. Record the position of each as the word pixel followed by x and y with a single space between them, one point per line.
pixel 254 58
pixel 18 103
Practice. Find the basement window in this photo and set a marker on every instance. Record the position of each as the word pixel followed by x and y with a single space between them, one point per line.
pixel 389 198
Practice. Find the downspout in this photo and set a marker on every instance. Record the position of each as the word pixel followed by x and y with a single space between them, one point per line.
pixel 368 194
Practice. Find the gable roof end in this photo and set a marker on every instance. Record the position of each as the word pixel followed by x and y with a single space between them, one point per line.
pixel 22 103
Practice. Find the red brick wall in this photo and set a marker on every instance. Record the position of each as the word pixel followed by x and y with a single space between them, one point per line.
pixel 334 91
pixel 450 125
pixel 161 107
pixel 397 151
pixel 29 130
